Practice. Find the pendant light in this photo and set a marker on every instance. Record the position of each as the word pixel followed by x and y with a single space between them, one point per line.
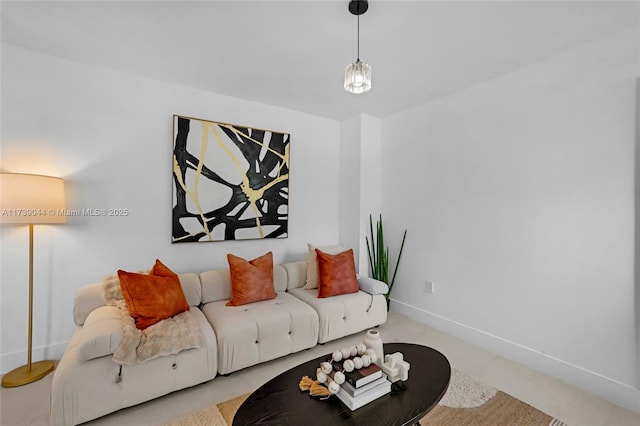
pixel 357 75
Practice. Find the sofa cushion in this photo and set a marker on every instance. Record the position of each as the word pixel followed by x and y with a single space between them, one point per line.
pixel 101 334
pixel 251 281
pixel 152 297
pixel 261 331
pixel 312 264
pixel 336 273
pixel 345 314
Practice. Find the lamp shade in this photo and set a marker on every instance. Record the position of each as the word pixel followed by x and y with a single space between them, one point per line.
pixel 357 77
pixel 31 199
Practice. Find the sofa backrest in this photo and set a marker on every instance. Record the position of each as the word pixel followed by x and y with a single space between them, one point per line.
pixel 205 287
pixel 296 274
pixel 89 297
pixel 191 287
pixel 216 284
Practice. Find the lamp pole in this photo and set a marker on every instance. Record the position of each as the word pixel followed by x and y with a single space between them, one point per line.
pixel 30 344
pixel 32 371
pixel 44 197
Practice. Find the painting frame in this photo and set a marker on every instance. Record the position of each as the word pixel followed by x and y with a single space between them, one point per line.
pixel 229 181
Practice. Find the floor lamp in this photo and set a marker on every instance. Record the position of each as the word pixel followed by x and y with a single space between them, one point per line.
pixel 30 200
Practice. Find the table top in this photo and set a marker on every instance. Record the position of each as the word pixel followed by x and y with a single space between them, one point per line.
pixel 280 401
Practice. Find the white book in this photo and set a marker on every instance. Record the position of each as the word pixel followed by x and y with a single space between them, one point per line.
pixel 353 391
pixel 353 403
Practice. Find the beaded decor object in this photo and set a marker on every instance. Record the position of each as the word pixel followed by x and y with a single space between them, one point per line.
pixel 330 373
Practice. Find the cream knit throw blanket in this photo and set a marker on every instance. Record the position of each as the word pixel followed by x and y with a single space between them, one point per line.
pixel 166 337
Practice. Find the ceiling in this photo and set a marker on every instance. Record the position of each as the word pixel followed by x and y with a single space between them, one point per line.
pixel 293 53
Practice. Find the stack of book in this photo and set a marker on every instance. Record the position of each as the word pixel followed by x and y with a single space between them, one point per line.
pixel 363 386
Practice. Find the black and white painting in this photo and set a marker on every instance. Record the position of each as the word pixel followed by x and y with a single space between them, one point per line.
pixel 230 182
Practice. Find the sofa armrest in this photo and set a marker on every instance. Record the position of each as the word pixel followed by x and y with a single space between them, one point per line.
pixel 101 334
pixel 88 298
pixel 372 286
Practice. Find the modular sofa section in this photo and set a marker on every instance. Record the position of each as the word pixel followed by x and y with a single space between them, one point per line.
pixel 340 315
pixel 261 331
pixel 85 390
pixel 256 332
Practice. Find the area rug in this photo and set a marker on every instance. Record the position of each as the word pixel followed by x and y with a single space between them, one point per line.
pixel 468 402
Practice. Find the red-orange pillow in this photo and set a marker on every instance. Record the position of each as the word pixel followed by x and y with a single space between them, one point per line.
pixel 336 274
pixel 251 281
pixel 159 269
pixel 153 297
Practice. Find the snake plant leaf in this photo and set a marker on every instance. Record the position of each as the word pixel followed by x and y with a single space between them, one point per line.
pixel 379 254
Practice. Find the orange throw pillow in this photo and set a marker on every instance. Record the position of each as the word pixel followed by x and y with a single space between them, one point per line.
pixel 153 297
pixel 251 281
pixel 336 274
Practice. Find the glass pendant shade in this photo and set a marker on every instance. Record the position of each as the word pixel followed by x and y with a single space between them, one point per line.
pixel 357 77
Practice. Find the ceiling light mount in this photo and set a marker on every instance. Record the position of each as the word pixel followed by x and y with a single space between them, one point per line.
pixel 357 75
pixel 358 7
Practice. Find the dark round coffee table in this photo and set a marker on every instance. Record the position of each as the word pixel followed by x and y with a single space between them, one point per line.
pixel 280 402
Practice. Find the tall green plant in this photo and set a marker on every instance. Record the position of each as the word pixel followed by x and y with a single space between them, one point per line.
pixel 379 254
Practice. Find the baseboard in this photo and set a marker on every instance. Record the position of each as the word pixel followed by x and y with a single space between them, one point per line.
pixel 612 390
pixel 12 360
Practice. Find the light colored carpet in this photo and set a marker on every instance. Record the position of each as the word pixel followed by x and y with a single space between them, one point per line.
pixel 468 402
pixel 501 410
pixel 466 392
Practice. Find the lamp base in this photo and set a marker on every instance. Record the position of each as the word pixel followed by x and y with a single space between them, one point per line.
pixel 20 376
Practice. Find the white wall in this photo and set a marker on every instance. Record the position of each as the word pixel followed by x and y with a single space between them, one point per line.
pixel 109 135
pixel 371 182
pixel 350 163
pixel 518 195
pixel 360 183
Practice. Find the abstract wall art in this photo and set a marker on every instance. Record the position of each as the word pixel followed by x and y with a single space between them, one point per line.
pixel 230 182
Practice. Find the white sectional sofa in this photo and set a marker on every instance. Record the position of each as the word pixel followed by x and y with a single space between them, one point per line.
pixel 235 337
pixel 85 390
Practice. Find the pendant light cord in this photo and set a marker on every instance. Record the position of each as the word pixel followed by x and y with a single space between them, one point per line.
pixel 358 55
